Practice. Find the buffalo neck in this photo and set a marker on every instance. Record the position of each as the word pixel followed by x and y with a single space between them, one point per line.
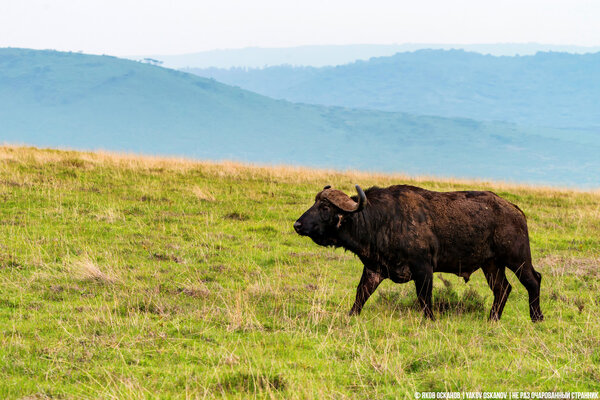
pixel 357 232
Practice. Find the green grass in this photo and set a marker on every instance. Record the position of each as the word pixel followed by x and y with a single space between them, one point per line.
pixel 131 277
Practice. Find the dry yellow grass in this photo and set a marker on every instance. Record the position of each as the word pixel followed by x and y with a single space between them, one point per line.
pixel 274 172
pixel 86 269
pixel 203 194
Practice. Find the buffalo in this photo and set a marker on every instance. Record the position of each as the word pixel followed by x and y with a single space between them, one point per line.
pixel 407 233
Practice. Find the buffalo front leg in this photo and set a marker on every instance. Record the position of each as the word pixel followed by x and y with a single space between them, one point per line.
pixel 367 285
pixel 423 276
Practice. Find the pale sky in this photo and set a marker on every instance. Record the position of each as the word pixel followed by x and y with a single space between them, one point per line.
pixel 128 27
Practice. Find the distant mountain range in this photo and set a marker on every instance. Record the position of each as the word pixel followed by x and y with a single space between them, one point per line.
pixel 546 89
pixel 57 99
pixel 331 55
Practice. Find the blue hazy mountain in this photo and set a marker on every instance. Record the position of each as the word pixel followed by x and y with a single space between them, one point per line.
pixel 324 55
pixel 546 89
pixel 57 99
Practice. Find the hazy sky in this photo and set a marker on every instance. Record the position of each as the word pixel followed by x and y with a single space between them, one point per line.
pixel 128 27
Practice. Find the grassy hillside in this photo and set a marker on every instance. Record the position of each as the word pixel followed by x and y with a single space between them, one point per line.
pixel 56 99
pixel 545 89
pixel 139 277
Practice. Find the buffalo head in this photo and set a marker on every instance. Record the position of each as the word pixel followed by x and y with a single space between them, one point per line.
pixel 323 219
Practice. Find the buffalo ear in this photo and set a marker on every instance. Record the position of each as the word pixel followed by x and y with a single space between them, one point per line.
pixel 342 201
pixel 327 187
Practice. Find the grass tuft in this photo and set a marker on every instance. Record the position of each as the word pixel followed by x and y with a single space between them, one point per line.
pixel 203 194
pixel 87 270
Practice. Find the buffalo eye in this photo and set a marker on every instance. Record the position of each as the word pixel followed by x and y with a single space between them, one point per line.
pixel 325 212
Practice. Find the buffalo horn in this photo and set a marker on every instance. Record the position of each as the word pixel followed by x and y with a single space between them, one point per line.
pixel 362 199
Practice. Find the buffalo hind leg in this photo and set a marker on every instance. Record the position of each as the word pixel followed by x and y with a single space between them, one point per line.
pixel 367 285
pixel 497 281
pixel 423 276
pixel 531 279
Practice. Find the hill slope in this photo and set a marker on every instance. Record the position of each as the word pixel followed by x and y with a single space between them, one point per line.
pixel 50 98
pixel 130 278
pixel 545 89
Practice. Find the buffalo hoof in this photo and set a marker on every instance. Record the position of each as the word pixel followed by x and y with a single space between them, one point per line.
pixel 538 317
pixel 353 312
pixel 494 316
pixel 429 316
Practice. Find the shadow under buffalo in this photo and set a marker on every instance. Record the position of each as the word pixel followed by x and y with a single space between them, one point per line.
pixel 445 301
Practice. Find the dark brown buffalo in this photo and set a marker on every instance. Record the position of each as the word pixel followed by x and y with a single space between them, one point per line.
pixel 407 233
